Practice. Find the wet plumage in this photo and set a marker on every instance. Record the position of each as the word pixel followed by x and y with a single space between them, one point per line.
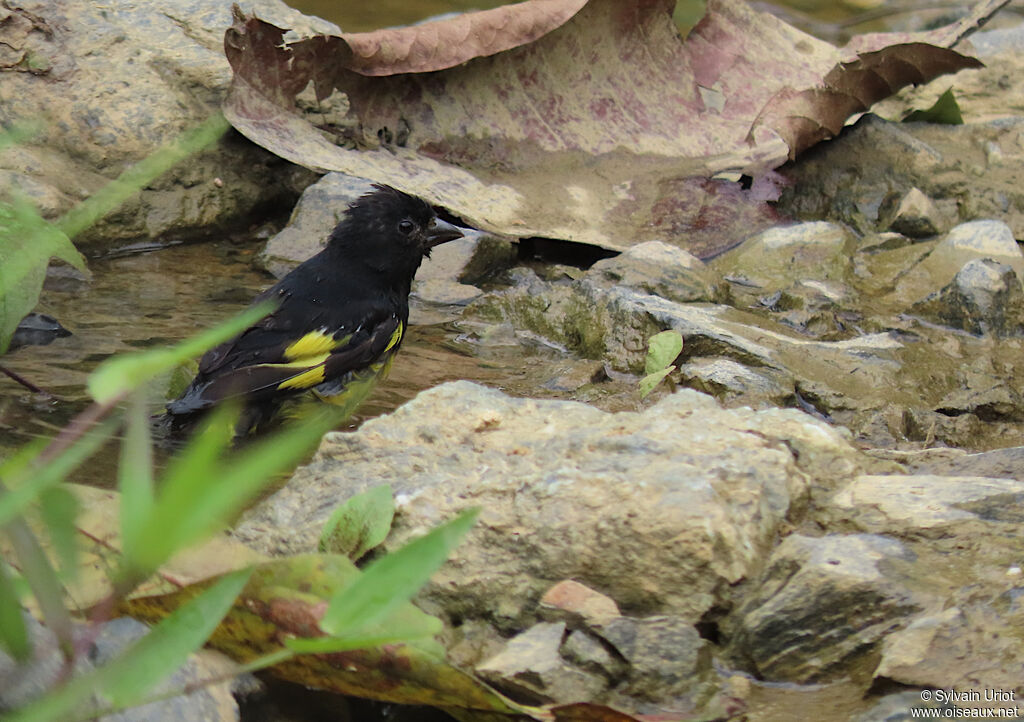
pixel 340 319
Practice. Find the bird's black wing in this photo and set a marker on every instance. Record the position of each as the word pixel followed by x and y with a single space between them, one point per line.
pixel 266 340
pixel 271 361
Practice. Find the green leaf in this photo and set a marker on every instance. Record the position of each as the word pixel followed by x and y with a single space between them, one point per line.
pixel 119 375
pixel 42 580
pixel 360 524
pixel 127 679
pixel 29 482
pixel 182 485
pixel 388 634
pixel 166 647
pixel 662 349
pixel 649 382
pixel 13 634
pixel 135 472
pixel 389 582
pixel 27 243
pixel 945 111
pixel 58 508
pixel 203 491
pixel 14 466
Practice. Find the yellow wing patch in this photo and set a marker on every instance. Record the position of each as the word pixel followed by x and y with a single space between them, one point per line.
pixel 314 343
pixel 396 336
pixel 305 380
pixel 313 349
pixel 313 375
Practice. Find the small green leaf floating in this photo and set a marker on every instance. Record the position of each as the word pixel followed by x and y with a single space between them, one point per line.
pixel 360 524
pixel 945 111
pixel 662 349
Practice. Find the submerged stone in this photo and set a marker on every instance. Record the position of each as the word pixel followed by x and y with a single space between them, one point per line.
pixel 985 297
pixel 657 268
pixel 915 216
pixel 779 257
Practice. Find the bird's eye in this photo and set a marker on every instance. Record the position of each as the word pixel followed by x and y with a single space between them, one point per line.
pixel 406 226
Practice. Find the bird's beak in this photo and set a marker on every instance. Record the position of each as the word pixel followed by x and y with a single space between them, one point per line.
pixel 442 232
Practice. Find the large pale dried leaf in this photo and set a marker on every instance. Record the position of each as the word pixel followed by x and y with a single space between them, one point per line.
pixel 605 129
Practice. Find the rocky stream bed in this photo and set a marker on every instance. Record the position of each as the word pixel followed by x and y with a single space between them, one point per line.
pixel 819 515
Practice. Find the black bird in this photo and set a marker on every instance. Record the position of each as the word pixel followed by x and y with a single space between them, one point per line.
pixel 340 318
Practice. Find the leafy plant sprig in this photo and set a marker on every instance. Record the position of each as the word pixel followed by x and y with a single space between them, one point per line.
pixel 662 351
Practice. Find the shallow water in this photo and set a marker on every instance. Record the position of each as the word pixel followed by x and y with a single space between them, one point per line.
pixel 161 297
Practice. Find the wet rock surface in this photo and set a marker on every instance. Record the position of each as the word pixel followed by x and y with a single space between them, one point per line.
pixel 984 297
pixel 828 490
pixel 902 344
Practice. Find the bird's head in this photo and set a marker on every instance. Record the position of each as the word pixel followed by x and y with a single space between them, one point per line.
pixel 391 231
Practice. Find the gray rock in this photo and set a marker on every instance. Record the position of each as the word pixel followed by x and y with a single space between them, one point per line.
pixel 916 655
pixel 999 463
pixel 982 389
pixel 989 43
pixel 666 656
pixel 316 214
pixel 926 505
pixel 574 374
pixel 937 263
pixel 888 241
pixel 985 297
pixel 915 216
pixel 570 492
pixel 984 238
pixel 819 309
pixel 111 86
pixel 967 528
pixel 583 650
pixel 440 292
pixel 849 179
pixel 779 257
pixel 659 269
pixel 822 604
pixel 470 643
pixel 962 649
pixel 20 684
pixel 531 669
pixel 734 384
